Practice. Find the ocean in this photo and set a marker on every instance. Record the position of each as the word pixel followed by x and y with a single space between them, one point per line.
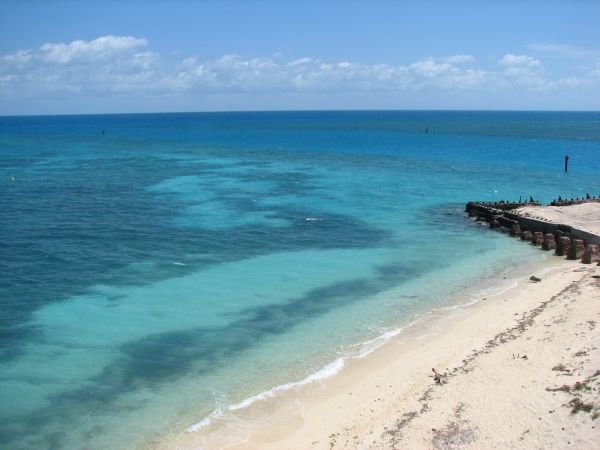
pixel 158 271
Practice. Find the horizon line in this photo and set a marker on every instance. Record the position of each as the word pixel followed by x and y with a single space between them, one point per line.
pixel 242 111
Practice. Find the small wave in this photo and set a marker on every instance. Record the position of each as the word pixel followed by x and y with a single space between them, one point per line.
pixel 176 263
pixel 368 347
pixel 312 219
pixel 328 371
pixel 480 295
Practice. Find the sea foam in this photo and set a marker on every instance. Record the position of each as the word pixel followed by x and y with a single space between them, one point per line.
pixel 327 371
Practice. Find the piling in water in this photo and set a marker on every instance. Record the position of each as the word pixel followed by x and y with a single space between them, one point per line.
pixel 564 244
pixel 591 254
pixel 548 243
pixel 576 250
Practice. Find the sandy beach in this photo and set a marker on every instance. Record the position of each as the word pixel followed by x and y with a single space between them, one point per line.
pixel 518 369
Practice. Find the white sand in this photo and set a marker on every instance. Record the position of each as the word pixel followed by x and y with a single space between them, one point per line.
pixel 499 356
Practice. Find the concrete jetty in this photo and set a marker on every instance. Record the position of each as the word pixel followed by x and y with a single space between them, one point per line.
pixel 569 227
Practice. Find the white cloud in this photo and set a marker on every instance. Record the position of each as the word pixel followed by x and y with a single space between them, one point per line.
pixel 510 60
pixel 123 66
pixel 18 59
pixel 99 49
pixel 300 61
pixel 101 66
pixel 429 68
pixel 145 60
pixel 523 71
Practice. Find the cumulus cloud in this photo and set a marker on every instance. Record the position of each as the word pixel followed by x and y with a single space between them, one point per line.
pixel 429 68
pixel 124 66
pixel 510 60
pixel 102 48
pixel 523 71
pixel 232 73
pixel 103 65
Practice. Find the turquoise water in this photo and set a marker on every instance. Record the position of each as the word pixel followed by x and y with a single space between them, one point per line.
pixel 158 268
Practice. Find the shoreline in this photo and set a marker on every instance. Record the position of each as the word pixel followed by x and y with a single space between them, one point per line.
pixel 362 349
pixel 308 414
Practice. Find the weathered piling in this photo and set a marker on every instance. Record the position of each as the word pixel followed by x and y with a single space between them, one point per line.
pixel 526 235
pixel 537 238
pixel 563 246
pixel 548 243
pixel 576 250
pixel 591 254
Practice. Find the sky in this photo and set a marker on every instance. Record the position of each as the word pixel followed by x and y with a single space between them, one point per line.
pixel 105 56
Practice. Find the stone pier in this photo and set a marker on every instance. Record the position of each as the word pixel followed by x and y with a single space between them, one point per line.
pixel 573 238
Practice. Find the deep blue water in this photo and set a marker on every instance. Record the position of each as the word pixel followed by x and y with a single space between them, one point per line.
pixel 147 260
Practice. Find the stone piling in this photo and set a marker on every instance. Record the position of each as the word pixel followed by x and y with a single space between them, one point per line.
pixel 537 238
pixel 549 243
pixel 563 246
pixel 526 235
pixel 576 250
pixel 591 254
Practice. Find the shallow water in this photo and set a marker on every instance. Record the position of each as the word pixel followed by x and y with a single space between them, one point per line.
pixel 179 263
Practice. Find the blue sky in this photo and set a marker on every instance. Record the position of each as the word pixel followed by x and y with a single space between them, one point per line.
pixel 60 57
